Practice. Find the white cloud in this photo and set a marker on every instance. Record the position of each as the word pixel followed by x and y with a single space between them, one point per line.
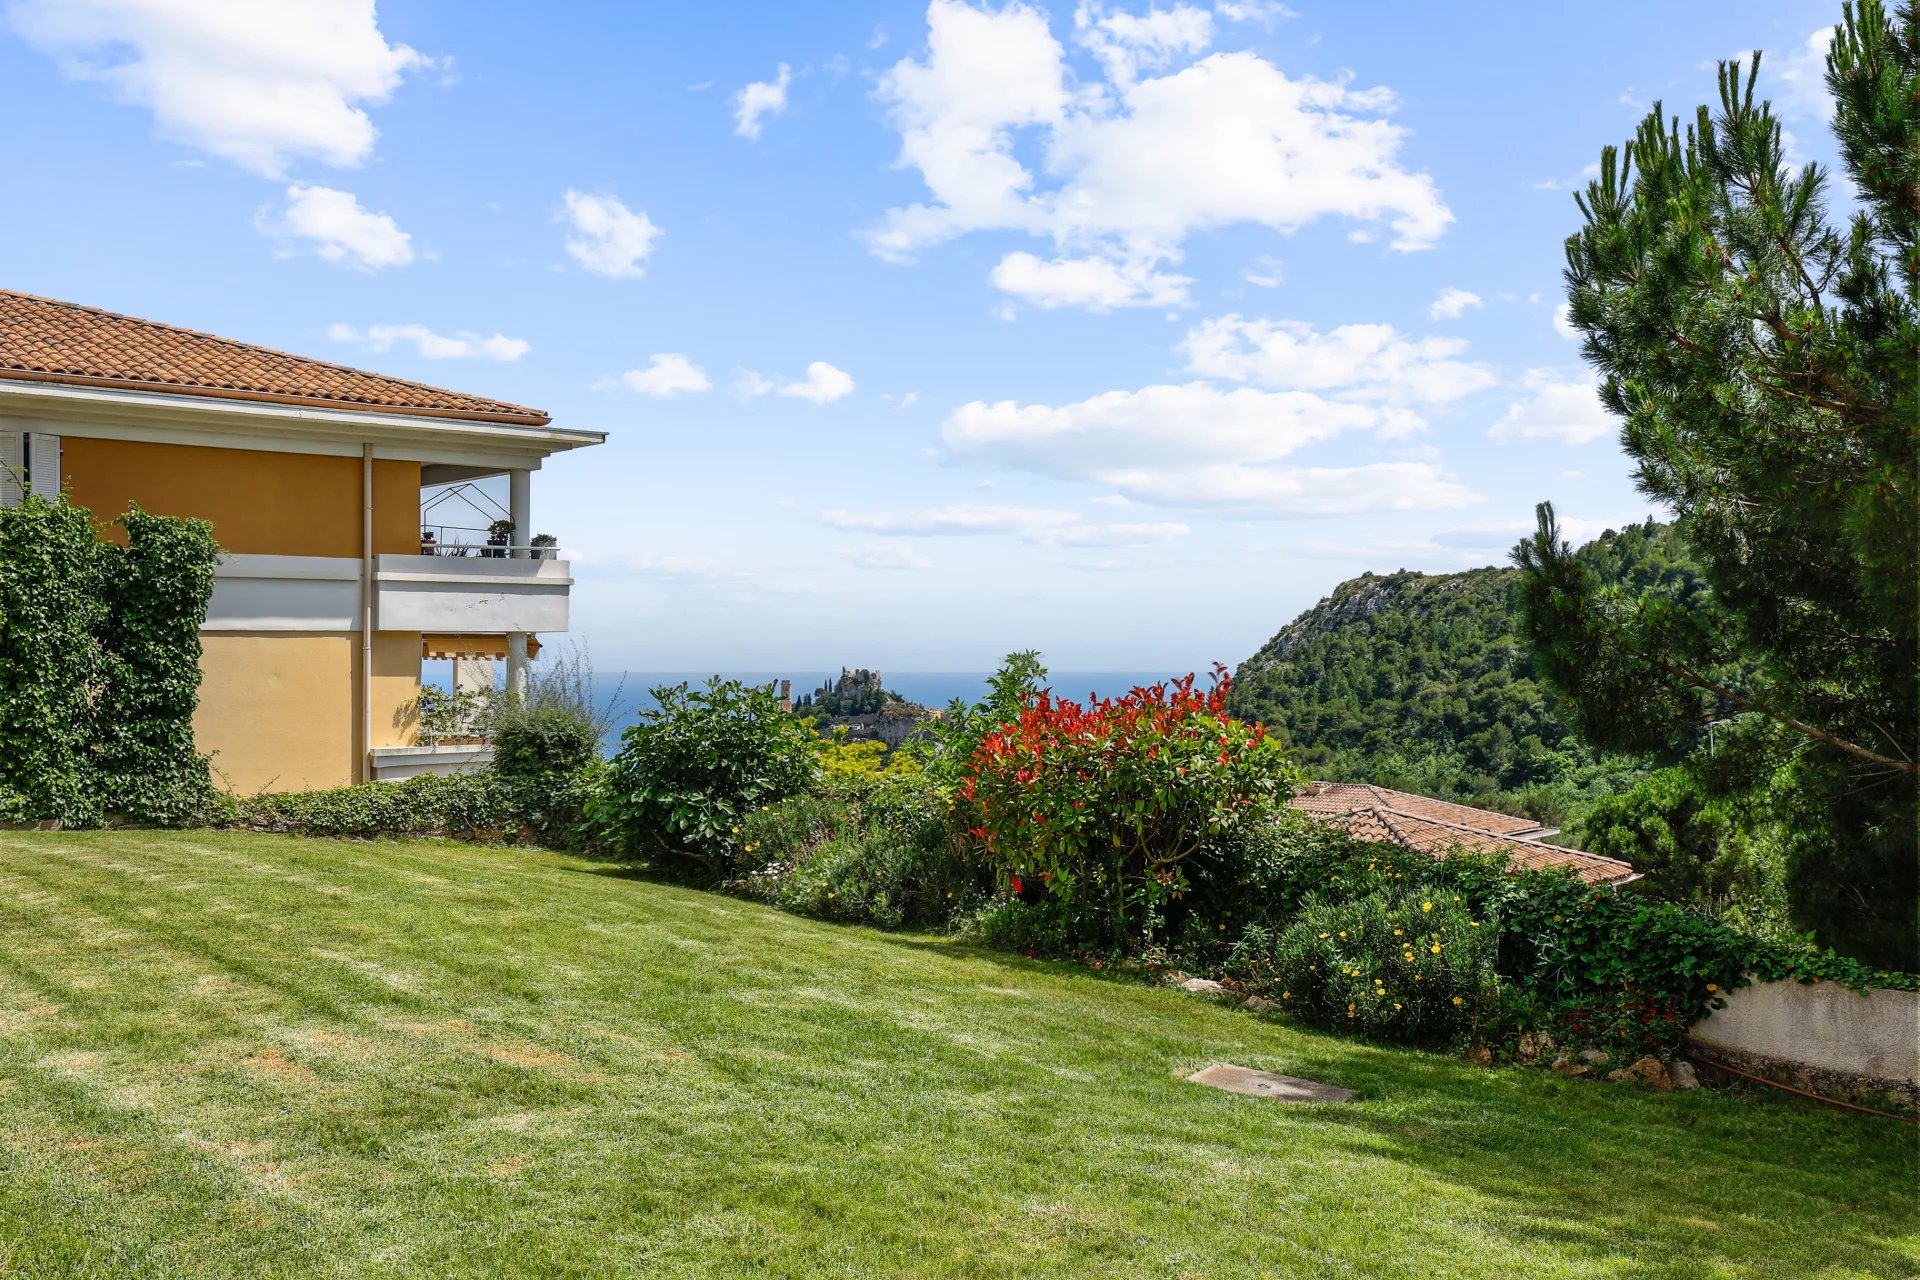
pixel 1040 526
pixel 1261 11
pixel 258 84
pixel 1141 159
pixel 886 555
pixel 1556 407
pixel 1267 272
pixel 1097 284
pixel 1563 322
pixel 608 238
pixel 693 576
pixel 1371 362
pixel 432 346
pixel 1128 43
pixel 668 373
pixel 823 384
pixel 337 230
pixel 759 100
pixel 1803 79
pixel 1453 303
pixel 1288 492
pixel 1197 445
pixel 1157 426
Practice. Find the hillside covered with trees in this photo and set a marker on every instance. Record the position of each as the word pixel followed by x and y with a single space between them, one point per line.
pixel 1422 682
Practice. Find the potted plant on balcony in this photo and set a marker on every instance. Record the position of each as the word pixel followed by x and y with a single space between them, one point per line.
pixel 499 538
pixel 543 545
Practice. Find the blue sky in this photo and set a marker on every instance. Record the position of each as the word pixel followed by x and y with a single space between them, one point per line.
pixel 921 333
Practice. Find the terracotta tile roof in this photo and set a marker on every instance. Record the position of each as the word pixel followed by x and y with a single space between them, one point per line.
pixel 1326 799
pixel 1426 833
pixel 43 340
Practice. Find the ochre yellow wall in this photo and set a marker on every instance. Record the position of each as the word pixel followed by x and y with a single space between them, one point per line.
pixel 279 707
pixel 396 683
pixel 276 708
pixel 260 503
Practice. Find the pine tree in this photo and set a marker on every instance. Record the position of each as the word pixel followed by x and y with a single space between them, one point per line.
pixel 1765 365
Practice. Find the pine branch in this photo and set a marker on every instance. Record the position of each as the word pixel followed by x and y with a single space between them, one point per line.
pixel 1699 681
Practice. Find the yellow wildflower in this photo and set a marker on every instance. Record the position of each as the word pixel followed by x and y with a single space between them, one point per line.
pixel 1713 986
pixel 1426 906
pixel 1396 933
pixel 1435 948
pixel 1458 1000
pixel 1473 924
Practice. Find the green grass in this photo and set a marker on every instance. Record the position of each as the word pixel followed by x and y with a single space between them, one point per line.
pixel 227 1055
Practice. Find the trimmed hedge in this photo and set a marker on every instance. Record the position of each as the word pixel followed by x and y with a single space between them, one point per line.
pixel 464 806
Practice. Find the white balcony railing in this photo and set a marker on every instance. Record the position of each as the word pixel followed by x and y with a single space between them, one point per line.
pixel 463 542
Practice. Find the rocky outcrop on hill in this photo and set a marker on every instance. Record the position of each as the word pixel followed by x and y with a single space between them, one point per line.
pixel 860 703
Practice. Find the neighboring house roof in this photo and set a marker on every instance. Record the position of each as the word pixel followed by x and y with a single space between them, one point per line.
pixel 1327 799
pixel 1414 822
pixel 44 340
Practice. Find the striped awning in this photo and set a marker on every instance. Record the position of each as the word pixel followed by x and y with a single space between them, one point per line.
pixel 474 646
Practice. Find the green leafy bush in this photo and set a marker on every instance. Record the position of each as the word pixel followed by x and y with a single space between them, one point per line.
pixel 1037 927
pixel 887 858
pixel 544 760
pixel 949 742
pixel 1690 846
pixel 1398 965
pixel 468 806
pixel 1569 947
pixel 693 768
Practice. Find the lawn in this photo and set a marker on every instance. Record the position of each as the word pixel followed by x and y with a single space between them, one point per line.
pixel 227 1055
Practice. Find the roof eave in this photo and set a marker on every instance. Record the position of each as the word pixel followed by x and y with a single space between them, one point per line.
pixel 144 413
pixel 533 418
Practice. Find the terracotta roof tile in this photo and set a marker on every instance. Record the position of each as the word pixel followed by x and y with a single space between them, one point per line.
pixel 1425 833
pixel 43 340
pixel 1329 798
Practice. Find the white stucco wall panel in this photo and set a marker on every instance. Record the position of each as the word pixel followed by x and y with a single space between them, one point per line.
pixel 1823 1026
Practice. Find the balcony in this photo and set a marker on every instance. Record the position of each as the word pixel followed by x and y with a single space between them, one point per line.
pixel 484 592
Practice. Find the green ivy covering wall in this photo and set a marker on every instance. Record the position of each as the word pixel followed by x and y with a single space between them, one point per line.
pixel 100 666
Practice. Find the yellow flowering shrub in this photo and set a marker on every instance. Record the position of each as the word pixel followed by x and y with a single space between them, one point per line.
pixel 1388 965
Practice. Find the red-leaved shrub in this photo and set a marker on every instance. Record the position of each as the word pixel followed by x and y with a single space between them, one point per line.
pixel 1105 804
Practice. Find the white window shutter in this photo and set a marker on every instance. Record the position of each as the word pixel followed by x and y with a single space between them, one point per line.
pixel 12 461
pixel 43 465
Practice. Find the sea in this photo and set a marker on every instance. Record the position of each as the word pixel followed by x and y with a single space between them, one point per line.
pixel 629 693
pixel 626 695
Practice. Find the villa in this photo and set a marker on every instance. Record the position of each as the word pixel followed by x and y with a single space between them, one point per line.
pixel 334 589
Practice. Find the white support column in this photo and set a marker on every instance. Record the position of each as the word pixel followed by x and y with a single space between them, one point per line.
pixel 520 509
pixel 517 663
